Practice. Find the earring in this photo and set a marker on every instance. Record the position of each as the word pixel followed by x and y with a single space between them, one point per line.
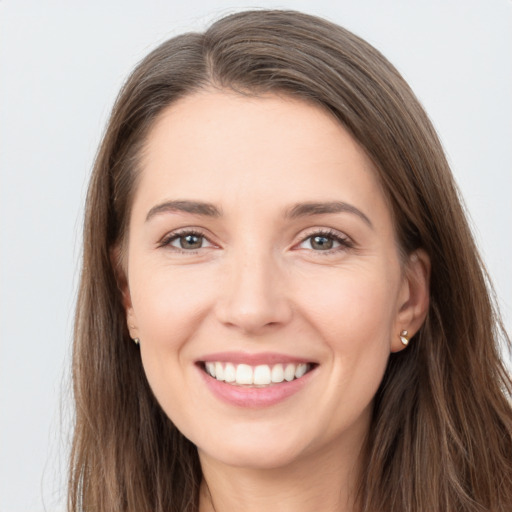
pixel 136 341
pixel 404 338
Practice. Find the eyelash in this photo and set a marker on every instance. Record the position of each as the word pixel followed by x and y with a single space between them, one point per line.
pixel 345 242
pixel 175 235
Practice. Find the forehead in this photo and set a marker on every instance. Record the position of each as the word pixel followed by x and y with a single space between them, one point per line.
pixel 229 148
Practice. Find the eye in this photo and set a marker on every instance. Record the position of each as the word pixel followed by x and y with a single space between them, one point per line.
pixel 186 241
pixel 321 242
pixel 325 241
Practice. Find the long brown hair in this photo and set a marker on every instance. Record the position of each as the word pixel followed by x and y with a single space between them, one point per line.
pixel 441 434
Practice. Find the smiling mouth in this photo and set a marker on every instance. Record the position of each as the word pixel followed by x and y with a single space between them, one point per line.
pixel 256 376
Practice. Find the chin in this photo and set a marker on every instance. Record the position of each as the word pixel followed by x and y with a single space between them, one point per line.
pixel 253 457
pixel 256 448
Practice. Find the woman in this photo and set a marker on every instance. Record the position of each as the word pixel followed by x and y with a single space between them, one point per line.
pixel 272 221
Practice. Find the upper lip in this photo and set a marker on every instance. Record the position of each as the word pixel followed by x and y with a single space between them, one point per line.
pixel 253 359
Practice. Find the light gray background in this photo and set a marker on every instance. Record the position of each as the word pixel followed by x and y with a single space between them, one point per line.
pixel 61 65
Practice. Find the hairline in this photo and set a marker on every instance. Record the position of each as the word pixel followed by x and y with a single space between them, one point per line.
pixel 212 85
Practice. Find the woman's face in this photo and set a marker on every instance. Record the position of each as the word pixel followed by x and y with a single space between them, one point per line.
pixel 263 278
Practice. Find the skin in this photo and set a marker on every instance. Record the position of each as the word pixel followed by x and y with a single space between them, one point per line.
pixel 258 284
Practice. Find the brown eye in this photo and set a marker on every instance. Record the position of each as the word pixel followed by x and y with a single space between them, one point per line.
pixel 321 243
pixel 326 242
pixel 188 241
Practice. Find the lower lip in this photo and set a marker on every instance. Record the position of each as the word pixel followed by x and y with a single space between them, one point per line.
pixel 245 396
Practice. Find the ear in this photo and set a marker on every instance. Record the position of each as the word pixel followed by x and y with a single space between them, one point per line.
pixel 116 258
pixel 414 298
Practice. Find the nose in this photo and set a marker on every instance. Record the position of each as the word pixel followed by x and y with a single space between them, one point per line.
pixel 254 297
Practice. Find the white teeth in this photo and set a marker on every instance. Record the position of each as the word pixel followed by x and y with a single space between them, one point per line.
pixel 210 368
pixel 301 370
pixel 278 373
pixel 219 371
pixel 261 375
pixel 244 374
pixel 230 373
pixel 289 372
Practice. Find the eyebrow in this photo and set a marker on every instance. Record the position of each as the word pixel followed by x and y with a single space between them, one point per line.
pixel 194 207
pixel 322 208
pixel 296 211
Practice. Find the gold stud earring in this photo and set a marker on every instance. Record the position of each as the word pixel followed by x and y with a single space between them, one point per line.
pixel 404 338
pixel 136 341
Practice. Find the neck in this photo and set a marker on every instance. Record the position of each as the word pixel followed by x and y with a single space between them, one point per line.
pixel 329 478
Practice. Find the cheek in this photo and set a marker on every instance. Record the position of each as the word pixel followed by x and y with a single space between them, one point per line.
pixel 353 314
pixel 351 307
pixel 168 303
